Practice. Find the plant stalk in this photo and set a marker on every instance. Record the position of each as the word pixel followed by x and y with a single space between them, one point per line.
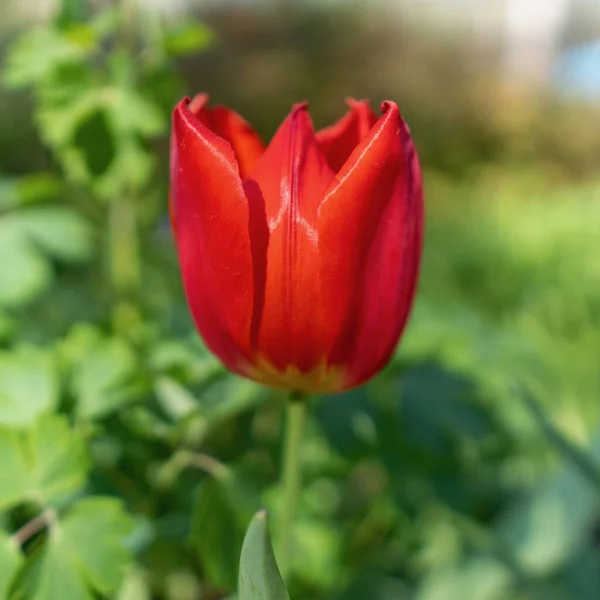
pixel 124 253
pixel 123 235
pixel 295 420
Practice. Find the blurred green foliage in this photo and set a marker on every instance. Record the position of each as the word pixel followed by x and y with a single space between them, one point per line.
pixel 132 463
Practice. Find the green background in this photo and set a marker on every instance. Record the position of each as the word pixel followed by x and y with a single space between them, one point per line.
pixel 468 469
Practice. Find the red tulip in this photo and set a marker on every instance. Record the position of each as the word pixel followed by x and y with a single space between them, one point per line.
pixel 299 260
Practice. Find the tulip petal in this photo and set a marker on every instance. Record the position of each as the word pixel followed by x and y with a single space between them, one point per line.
pixel 230 126
pixel 211 217
pixel 339 140
pixel 290 179
pixel 393 267
pixel 370 225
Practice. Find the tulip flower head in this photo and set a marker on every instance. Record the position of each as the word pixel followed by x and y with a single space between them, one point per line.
pixel 299 259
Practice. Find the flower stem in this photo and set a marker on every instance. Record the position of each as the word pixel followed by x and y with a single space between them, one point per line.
pixel 123 243
pixel 123 246
pixel 295 417
pixel 124 264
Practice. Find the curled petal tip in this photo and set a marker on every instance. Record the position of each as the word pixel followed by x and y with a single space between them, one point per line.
pixel 353 102
pixel 387 106
pixel 197 103
pixel 183 109
pixel 299 107
pixel 184 103
pixel 299 114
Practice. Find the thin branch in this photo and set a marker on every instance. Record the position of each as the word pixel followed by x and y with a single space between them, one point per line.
pixel 207 463
pixel 31 528
pixel 583 460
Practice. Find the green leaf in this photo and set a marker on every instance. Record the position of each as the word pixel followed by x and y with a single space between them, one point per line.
pixel 101 377
pixel 29 385
pixel 85 554
pixel 24 272
pixel 317 553
pixel 193 361
pixel 28 190
pixel 44 464
pixel 259 577
pixel 10 562
pixel 105 521
pixel 7 326
pixel 189 38
pixel 131 111
pixel 28 238
pixel 543 529
pixel 68 118
pixel 584 460
pixel 435 408
pixel 135 586
pixel 36 55
pixel 132 168
pixel 52 576
pixel 222 510
pixel 349 422
pixel 481 579
pixel 228 397
pixel 106 21
pixel 71 11
pixel 66 108
pixel 175 399
pixel 60 232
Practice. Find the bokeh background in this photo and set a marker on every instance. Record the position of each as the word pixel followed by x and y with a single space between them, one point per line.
pixel 131 463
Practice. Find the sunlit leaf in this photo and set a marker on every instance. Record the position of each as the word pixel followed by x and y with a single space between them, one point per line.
pixel 44 464
pixel 317 553
pixel 259 577
pixel 101 377
pixel 193 361
pixel 24 272
pixel 135 586
pixel 29 189
pixel 478 579
pixel 176 400
pixel 28 238
pixel 229 397
pixel 61 232
pixel 10 561
pixel 132 111
pixel 37 54
pixel 85 554
pixel 29 385
pixel 131 168
pixel 189 38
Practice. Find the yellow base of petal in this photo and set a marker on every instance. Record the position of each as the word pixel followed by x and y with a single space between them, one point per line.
pixel 321 380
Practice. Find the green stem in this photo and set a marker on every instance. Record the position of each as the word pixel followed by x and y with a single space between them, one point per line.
pixel 124 263
pixel 295 416
pixel 124 254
